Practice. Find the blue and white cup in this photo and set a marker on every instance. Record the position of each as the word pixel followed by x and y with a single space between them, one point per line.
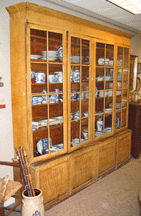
pixel 34 100
pixel 40 77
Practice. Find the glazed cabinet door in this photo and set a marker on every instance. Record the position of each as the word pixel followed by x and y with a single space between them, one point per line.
pixel 46 78
pixel 79 66
pixel 104 88
pixel 122 88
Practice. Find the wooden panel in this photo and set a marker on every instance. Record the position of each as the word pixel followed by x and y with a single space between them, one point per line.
pixel 123 148
pixel 83 168
pixel 107 154
pixel 52 179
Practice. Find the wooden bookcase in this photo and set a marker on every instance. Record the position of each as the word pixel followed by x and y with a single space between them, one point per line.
pixel 69 84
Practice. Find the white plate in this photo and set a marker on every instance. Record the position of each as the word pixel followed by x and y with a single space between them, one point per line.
pixel 108 109
pixel 35 56
pixel 44 58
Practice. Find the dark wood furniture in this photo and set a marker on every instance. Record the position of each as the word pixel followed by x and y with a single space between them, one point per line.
pixel 135 126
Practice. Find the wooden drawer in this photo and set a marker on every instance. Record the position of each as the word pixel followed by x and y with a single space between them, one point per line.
pixel 107 155
pixel 52 179
pixel 83 168
pixel 123 148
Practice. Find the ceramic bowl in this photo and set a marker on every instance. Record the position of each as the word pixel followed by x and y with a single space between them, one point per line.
pixel 85 134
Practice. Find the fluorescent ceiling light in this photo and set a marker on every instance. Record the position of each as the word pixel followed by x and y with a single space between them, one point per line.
pixel 133 6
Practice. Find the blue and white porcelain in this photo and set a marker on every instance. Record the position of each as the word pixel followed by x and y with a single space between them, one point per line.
pixel 60 53
pixel 76 76
pixel 117 122
pixel 96 93
pixel 53 98
pixel 85 134
pixel 40 100
pixel 72 75
pixel 59 76
pixel 32 74
pixel 34 100
pixel 73 96
pixel 52 79
pixel 98 133
pixel 85 114
pixel 43 144
pixel 100 125
pixel 87 59
pixel 76 115
pixel 101 61
pixel 40 77
pixel 108 130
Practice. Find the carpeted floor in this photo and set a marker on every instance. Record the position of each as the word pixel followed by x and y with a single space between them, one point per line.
pixel 113 195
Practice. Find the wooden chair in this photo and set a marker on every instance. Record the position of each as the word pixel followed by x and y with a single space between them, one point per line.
pixel 11 188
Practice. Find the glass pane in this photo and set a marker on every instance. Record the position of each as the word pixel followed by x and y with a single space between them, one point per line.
pixel 99 103
pixel 38 40
pixel 38 78
pixel 56 138
pixel 85 79
pixel 75 79
pixel 75 106
pixel 55 78
pixel 100 54
pixel 125 78
pixel 84 130
pixel 124 97
pixel 75 50
pixel 55 47
pixel 99 78
pixel 126 57
pixel 109 55
pixel 99 125
pixel 108 122
pixel 118 99
pixel 75 128
pixel 85 51
pixel 109 78
pixel 124 117
pixel 84 107
pixel 120 57
pixel 118 120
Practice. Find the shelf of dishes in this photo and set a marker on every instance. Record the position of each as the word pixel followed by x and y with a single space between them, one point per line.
pixel 57 120
pixel 57 77
pixel 57 97
pixel 54 55
pixel 44 146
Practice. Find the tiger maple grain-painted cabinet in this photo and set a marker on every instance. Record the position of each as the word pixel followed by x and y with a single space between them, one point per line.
pixel 69 86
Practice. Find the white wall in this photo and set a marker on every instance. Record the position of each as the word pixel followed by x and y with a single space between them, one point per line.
pixel 6 133
pixel 136 46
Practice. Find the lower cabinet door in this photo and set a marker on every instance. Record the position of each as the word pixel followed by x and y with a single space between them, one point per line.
pixel 107 155
pixel 52 179
pixel 83 168
pixel 123 148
